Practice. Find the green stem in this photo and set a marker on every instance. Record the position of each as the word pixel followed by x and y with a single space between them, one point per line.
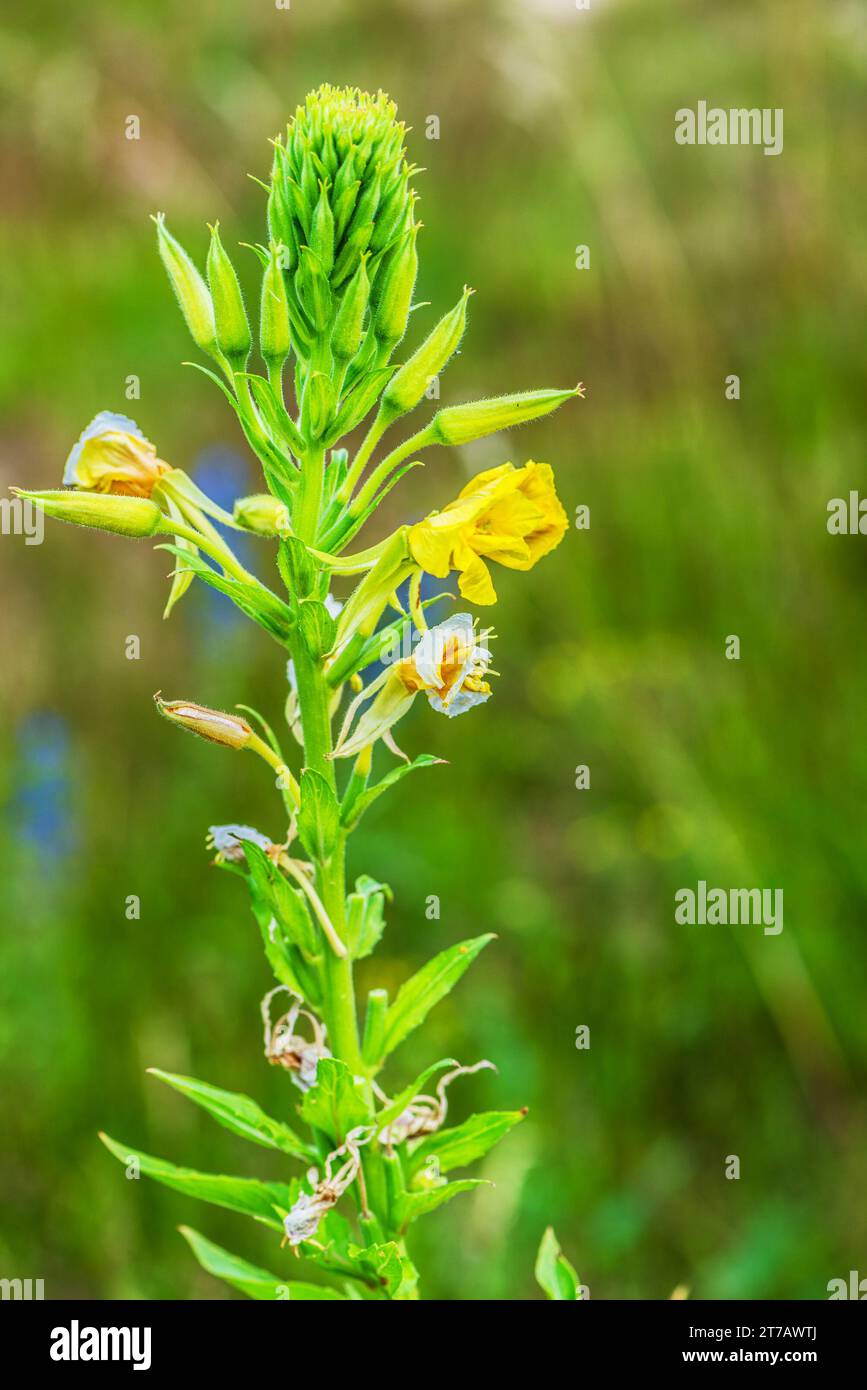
pixel 382 472
pixel 359 463
pixel 216 549
pixel 313 698
pixel 339 1007
pixel 305 516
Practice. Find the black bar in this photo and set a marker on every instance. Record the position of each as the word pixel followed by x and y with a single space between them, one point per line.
pixel 247 1339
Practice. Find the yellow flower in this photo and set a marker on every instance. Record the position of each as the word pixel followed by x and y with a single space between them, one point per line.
pixel 511 515
pixel 113 455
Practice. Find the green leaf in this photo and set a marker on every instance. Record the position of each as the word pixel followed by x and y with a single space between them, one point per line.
pixel 380 1265
pixel 278 898
pixel 337 1103
pixel 286 961
pixel 317 627
pixel 278 421
pixel 254 600
pixel 427 987
pixel 264 1201
pixel 554 1274
pixel 318 816
pixel 401 1101
pixel 415 1204
pixel 239 1114
pixel 254 1282
pixel 466 1143
pixel 365 921
pixel 297 568
pixel 351 814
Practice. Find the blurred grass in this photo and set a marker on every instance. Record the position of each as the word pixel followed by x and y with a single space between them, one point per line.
pixel 707 518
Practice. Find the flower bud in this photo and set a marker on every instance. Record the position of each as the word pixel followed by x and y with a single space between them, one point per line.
pixel 191 290
pixel 262 513
pixel 123 515
pixel 392 212
pixel 394 291
pixel 317 403
pixel 230 316
pixel 349 323
pixel 313 290
pixel 459 424
pixel 409 384
pixel 274 335
pixel 322 231
pixel 281 226
pixel 351 252
pixel 228 729
pixel 339 183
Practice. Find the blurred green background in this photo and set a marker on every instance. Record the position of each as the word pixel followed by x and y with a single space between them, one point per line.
pixel 707 519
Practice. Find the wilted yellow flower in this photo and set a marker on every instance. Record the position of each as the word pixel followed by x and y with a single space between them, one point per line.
pixel 449 665
pixel 511 515
pixel 113 455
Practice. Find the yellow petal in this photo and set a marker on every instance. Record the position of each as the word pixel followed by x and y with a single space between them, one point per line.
pixel 475 584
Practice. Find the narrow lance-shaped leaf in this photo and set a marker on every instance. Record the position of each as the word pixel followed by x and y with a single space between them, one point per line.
pixel 319 815
pixel 336 1104
pixel 427 987
pixel 239 1114
pixel 264 1201
pixel 415 1204
pixel 354 810
pixel 249 1279
pixel 402 1099
pixel 466 1143
pixel 254 600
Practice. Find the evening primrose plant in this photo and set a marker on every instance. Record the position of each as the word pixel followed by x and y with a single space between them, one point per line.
pixel 369 1151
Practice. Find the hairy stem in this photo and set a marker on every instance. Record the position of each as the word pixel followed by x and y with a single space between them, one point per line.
pixel 339 1008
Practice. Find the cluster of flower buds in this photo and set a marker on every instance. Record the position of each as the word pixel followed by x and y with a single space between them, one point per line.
pixel 341 208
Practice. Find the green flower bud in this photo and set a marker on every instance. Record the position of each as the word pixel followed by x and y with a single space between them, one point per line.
pixel 459 424
pixel 281 227
pixel 191 290
pixel 262 513
pixel 339 171
pixel 317 404
pixel 344 206
pixel 124 516
pixel 409 384
pixel 230 316
pixel 313 290
pixel 274 335
pixel 322 232
pixel 353 249
pixel 394 291
pixel 349 324
pixel 393 210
